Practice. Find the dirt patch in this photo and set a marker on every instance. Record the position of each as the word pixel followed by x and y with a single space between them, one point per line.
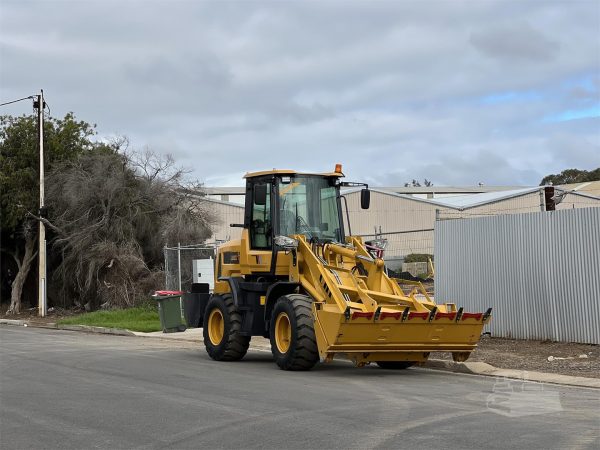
pixel 535 355
pixel 31 315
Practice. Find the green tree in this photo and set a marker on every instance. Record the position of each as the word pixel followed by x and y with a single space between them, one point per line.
pixel 64 139
pixel 569 176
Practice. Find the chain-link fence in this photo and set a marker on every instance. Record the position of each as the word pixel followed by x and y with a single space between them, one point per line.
pixel 179 274
pixel 179 260
pixel 400 244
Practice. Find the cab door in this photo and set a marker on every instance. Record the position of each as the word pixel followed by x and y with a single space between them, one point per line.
pixel 261 220
pixel 257 236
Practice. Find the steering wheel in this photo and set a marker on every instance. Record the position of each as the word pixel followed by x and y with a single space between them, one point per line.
pixel 303 226
pixel 287 222
pixel 257 224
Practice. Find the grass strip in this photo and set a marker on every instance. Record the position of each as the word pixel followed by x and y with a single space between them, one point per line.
pixel 143 319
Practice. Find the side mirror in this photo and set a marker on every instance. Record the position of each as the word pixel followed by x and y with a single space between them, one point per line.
pixel 260 194
pixel 365 198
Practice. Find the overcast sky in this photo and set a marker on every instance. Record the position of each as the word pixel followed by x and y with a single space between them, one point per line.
pixel 457 92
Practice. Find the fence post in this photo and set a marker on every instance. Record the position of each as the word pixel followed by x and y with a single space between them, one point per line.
pixel 179 263
pixel 166 267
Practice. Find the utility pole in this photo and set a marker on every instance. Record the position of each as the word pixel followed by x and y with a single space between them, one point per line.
pixel 42 305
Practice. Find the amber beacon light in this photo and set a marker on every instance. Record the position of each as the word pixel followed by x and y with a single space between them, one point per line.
pixel 338 168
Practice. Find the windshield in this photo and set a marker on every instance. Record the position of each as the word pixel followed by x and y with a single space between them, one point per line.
pixel 309 206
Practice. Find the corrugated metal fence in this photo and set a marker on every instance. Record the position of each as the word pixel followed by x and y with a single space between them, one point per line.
pixel 540 272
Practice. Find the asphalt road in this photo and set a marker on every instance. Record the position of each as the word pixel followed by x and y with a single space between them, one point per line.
pixel 62 389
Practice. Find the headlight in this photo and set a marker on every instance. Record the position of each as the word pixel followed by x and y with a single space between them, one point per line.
pixel 285 242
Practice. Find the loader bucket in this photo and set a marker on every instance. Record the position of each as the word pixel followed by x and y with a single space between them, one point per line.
pixel 394 336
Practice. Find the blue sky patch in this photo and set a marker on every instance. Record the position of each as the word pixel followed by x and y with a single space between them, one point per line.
pixel 571 114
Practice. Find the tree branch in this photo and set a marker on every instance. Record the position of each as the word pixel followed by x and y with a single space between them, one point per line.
pixel 46 222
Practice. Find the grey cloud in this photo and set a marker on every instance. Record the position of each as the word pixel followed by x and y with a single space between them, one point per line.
pixel 483 166
pixel 584 94
pixel 575 150
pixel 190 72
pixel 387 88
pixel 515 42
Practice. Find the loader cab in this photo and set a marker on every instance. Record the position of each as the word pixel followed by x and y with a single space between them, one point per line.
pixel 289 203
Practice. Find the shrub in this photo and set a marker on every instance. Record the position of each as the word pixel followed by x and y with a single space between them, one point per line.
pixel 417 257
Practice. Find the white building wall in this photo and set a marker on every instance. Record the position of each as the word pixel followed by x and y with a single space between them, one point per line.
pixel 225 214
pixel 400 218
pixel 573 201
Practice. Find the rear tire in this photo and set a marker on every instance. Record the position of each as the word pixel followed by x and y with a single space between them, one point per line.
pixel 396 365
pixel 221 330
pixel 292 333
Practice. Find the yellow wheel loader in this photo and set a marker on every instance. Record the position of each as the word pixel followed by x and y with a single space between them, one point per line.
pixel 296 278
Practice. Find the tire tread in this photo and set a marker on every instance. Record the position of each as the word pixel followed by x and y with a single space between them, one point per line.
pixel 236 346
pixel 305 352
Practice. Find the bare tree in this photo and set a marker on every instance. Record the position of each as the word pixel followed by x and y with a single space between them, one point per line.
pixel 112 213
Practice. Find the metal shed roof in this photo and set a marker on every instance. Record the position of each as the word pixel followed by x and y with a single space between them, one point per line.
pixel 473 200
pixel 462 202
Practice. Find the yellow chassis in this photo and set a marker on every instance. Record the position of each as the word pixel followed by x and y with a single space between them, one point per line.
pixel 359 311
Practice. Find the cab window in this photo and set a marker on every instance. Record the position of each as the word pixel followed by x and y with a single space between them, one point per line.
pixel 260 225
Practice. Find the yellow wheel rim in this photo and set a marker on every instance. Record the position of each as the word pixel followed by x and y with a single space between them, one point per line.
pixel 283 332
pixel 216 326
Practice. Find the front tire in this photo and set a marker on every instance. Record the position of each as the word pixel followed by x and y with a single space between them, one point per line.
pixel 292 333
pixel 221 330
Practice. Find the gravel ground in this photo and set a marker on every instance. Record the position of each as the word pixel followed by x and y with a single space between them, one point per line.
pixel 535 355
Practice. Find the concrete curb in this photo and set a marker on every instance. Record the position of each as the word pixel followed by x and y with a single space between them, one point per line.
pixel 263 346
pixel 101 330
pixel 54 326
pixel 18 323
pixel 166 336
pixel 472 368
pixel 481 368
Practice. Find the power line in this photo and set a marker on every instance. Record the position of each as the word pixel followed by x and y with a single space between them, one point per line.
pixel 19 100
